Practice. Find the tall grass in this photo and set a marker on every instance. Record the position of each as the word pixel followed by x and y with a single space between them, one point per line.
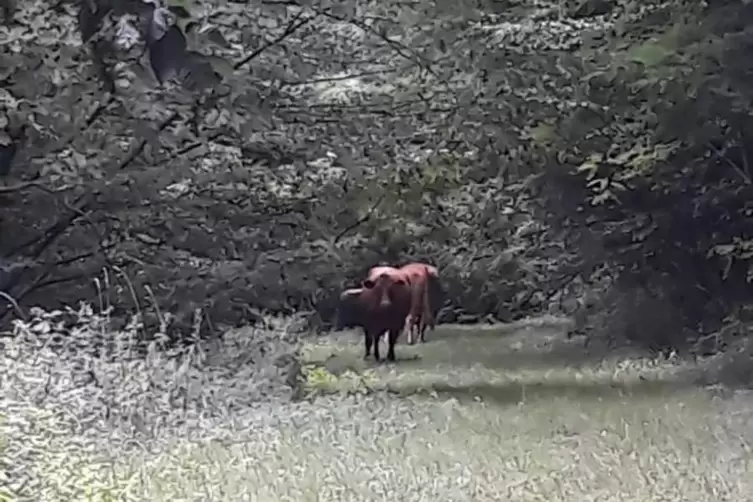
pixel 75 395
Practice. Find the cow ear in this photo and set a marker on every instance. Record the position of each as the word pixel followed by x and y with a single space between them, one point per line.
pixel 368 284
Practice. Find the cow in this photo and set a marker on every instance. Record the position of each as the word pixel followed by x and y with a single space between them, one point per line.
pixel 381 304
pixel 426 295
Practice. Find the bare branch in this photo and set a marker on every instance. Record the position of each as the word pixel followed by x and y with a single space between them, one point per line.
pixel 32 184
pixel 138 147
pixel 78 129
pixel 743 175
pixel 363 219
pixel 295 24
pixel 401 49
pixel 15 304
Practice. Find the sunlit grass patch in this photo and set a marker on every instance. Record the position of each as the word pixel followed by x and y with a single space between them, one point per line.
pixel 320 380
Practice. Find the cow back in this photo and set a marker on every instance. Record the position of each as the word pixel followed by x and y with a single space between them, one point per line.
pixel 427 276
pixel 375 272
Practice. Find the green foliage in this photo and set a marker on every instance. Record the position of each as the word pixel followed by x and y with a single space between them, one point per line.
pixel 606 178
pixel 659 144
pixel 738 250
pixel 288 147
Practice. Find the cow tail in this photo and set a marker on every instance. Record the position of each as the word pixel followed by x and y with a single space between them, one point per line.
pixel 425 307
pixel 431 278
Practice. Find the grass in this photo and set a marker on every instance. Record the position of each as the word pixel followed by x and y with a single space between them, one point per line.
pixel 482 413
pixel 535 417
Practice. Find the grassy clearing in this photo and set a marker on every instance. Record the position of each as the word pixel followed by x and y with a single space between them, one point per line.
pixel 498 364
pixel 483 413
pixel 536 417
pixel 379 450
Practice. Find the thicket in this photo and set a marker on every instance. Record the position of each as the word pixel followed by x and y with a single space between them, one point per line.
pixel 222 159
pixel 659 212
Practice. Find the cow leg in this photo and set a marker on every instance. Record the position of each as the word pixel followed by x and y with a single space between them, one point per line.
pixel 413 313
pixel 393 336
pixel 426 316
pixel 416 331
pixel 377 336
pixel 368 339
pixel 414 328
pixel 408 328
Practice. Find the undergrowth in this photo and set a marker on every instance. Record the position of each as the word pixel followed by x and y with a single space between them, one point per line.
pixel 73 394
pixel 90 413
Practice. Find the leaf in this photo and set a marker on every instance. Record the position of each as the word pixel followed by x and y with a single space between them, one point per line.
pixel 7 153
pixel 216 37
pixel 602 198
pixel 649 54
pixel 543 133
pixel 158 26
pixel 220 65
pixel 167 54
pixel 599 184
pixel 127 35
pixel 345 10
pixel 78 160
pixel 198 72
pixel 590 166
pixel 181 8
pixel 90 16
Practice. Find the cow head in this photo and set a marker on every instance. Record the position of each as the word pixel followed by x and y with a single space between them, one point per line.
pixel 380 288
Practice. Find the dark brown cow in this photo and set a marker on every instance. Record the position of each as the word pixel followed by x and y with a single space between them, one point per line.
pixel 426 296
pixel 425 287
pixel 382 304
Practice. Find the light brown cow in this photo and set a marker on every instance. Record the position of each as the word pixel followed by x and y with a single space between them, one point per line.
pixel 424 280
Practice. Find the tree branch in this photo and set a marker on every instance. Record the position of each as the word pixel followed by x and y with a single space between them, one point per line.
pixel 363 219
pixel 295 24
pixel 32 184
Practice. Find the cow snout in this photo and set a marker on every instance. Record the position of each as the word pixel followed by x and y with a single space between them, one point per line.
pixel 385 302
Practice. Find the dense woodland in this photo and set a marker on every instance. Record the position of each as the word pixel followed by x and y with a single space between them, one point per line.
pixel 201 163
